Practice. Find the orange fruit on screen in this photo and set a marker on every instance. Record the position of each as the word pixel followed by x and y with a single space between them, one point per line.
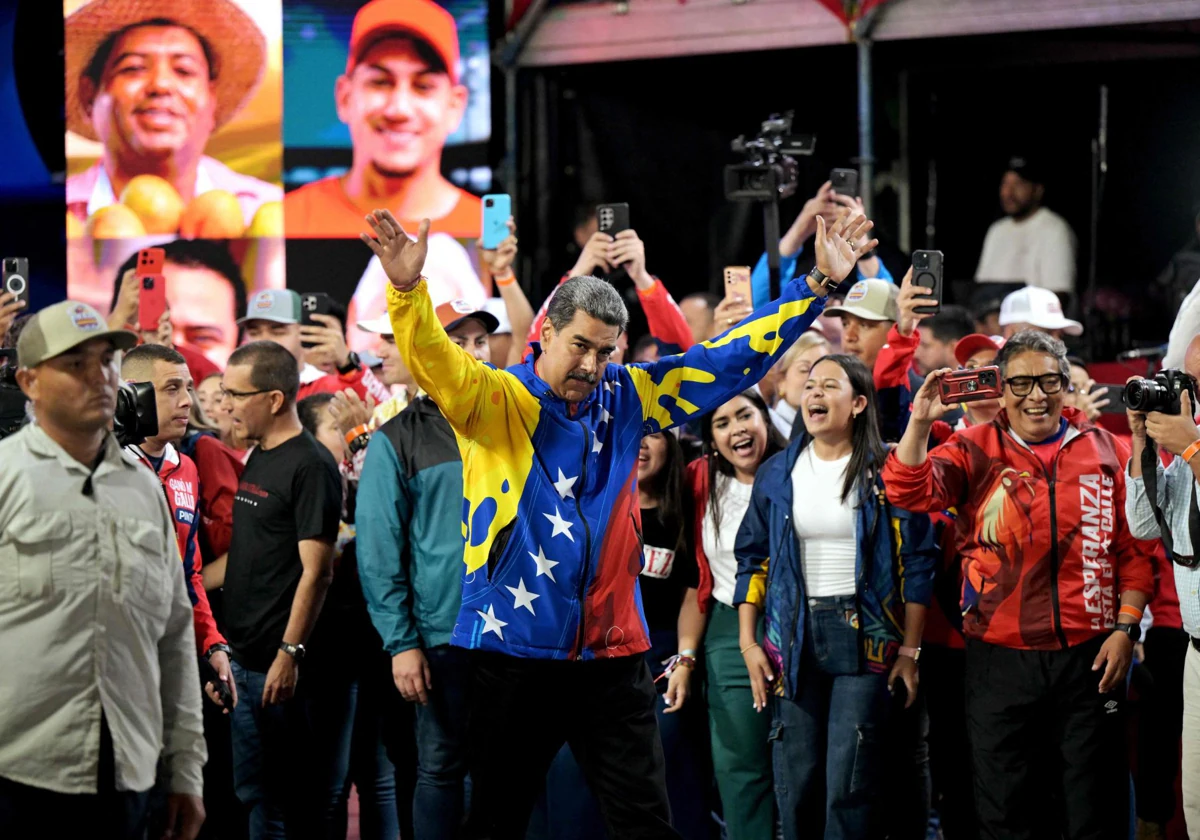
pixel 215 214
pixel 116 221
pixel 155 201
pixel 267 221
pixel 75 228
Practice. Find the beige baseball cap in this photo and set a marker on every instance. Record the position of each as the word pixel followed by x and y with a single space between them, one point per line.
pixel 62 327
pixel 871 300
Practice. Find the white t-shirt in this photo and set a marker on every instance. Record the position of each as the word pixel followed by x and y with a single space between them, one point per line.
pixel 824 524
pixel 735 500
pixel 1039 251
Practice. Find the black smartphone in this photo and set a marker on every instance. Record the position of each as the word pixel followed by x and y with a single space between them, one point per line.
pixel 927 272
pixel 15 278
pixel 1116 398
pixel 845 181
pixel 613 218
pixel 314 303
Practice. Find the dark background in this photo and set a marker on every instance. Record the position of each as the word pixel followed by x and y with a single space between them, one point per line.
pixel 656 134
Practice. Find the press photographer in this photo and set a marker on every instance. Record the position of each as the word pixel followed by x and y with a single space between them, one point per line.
pixel 1162 411
pixel 92 606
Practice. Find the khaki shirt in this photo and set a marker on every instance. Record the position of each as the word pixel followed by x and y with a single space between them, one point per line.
pixel 93 616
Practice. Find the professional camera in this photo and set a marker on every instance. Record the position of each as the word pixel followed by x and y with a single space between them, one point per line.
pixel 136 417
pixel 770 172
pixel 12 398
pixel 1161 393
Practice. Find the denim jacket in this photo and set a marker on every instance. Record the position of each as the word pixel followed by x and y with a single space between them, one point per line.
pixel 897 554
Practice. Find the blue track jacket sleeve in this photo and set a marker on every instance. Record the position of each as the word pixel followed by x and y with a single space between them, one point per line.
pixel 760 277
pixel 680 388
pixel 919 555
pixel 382 515
pixel 752 550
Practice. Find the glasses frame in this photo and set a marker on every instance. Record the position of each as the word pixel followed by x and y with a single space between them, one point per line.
pixel 1063 383
pixel 241 395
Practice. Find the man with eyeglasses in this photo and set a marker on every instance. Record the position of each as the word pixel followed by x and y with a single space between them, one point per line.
pixel 1053 593
pixel 290 730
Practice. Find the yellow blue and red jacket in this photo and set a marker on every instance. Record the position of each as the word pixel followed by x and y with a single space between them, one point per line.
pixel 551 520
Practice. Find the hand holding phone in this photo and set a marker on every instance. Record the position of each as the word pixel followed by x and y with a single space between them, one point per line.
pixel 314 303
pixel 737 283
pixel 152 288
pixel 964 386
pixel 15 279
pixel 612 218
pixel 844 181
pixel 927 272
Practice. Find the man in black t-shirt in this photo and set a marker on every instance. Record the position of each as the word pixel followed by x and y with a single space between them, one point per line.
pixel 289 735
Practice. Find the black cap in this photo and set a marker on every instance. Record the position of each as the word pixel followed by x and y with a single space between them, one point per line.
pixel 1027 167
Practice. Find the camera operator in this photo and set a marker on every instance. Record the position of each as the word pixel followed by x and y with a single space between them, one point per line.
pixel 14 408
pixel 1178 434
pixel 96 641
pixel 1052 598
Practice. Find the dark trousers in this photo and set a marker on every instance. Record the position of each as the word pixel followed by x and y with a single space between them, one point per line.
pixel 291 759
pixel 27 811
pixel 441 732
pixel 943 675
pixel 524 710
pixel 1048 749
pixel 1160 724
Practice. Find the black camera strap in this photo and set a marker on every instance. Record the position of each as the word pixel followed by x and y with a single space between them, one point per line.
pixel 1150 464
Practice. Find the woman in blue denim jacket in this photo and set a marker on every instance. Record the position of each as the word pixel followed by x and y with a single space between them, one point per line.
pixel 844 579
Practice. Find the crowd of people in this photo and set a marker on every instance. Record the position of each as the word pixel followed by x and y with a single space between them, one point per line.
pixel 511 576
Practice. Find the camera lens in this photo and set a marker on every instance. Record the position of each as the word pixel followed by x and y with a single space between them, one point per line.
pixel 490 203
pixel 1145 395
pixel 147 282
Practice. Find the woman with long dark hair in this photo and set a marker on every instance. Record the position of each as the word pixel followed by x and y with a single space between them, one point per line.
pixel 843 579
pixel 738 437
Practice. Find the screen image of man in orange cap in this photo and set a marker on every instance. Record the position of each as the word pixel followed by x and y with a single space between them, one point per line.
pixel 152 80
pixel 400 97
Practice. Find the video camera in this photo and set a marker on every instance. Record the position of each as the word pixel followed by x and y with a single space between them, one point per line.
pixel 136 417
pixel 1162 393
pixel 12 398
pixel 770 172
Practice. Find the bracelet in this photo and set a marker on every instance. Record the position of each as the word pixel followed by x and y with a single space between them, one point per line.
pixel 688 652
pixel 1131 612
pixel 1190 452
pixel 749 647
pixel 506 279
pixel 357 438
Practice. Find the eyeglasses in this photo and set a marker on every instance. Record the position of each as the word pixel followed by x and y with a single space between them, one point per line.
pixel 225 394
pixel 1022 386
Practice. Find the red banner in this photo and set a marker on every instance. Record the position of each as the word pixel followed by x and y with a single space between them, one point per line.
pixel 848 11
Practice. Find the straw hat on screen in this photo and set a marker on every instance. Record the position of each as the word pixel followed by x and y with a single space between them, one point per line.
pixel 237 47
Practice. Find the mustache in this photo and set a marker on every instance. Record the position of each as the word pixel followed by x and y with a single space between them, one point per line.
pixel 589 378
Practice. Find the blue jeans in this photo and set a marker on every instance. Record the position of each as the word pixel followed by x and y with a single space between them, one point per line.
pixel 830 737
pixel 371 769
pixel 442 746
pixel 290 760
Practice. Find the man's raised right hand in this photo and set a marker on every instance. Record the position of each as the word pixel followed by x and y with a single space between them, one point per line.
pixel 401 257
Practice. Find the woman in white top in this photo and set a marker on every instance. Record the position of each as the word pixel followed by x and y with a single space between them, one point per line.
pixel 737 437
pixel 843 578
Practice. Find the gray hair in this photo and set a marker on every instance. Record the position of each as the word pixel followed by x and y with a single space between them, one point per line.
pixel 594 296
pixel 1033 341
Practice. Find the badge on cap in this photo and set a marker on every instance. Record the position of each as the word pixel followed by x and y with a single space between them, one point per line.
pixel 264 301
pixel 857 292
pixel 84 318
pixel 462 306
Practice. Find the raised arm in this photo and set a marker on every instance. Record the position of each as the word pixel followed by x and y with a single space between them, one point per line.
pixel 460 384
pixel 679 388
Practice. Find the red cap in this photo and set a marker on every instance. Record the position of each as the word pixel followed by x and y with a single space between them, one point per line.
pixel 454 312
pixel 969 345
pixel 423 19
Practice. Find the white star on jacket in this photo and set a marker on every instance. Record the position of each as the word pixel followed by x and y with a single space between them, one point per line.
pixel 565 485
pixel 523 597
pixel 561 526
pixel 544 566
pixel 491 624
pixel 597 444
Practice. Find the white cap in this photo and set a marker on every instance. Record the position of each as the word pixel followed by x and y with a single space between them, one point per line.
pixel 1038 307
pixel 381 325
pixel 499 311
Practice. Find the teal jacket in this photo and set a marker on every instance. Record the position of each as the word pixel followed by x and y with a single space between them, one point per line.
pixel 409 521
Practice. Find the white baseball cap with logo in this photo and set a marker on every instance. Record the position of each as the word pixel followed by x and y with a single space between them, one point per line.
pixel 1039 308
pixel 871 300
pixel 63 327
pixel 381 325
pixel 281 306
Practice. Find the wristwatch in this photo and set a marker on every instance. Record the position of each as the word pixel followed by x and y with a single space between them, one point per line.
pixel 352 364
pixel 294 651
pixel 821 278
pixel 218 647
pixel 913 653
pixel 1133 631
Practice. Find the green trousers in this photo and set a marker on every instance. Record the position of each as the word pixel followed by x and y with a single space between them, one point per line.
pixel 741 752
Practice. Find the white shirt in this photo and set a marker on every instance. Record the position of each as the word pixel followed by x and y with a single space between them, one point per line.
pixel 783 416
pixel 1187 325
pixel 1038 251
pixel 824 524
pixel 735 500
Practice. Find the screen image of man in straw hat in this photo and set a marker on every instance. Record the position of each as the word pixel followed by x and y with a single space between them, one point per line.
pixel 151 81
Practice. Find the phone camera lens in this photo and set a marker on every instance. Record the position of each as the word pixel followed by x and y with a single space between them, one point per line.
pixel 147 282
pixel 490 203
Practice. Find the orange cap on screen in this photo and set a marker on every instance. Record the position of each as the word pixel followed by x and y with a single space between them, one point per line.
pixel 422 18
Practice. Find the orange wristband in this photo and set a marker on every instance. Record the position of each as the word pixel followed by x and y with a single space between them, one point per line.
pixel 1190 452
pixel 506 279
pixel 1131 612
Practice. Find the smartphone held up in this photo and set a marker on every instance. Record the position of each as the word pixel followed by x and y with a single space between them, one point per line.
pixel 152 288
pixel 927 268
pixel 737 283
pixel 15 279
pixel 964 386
